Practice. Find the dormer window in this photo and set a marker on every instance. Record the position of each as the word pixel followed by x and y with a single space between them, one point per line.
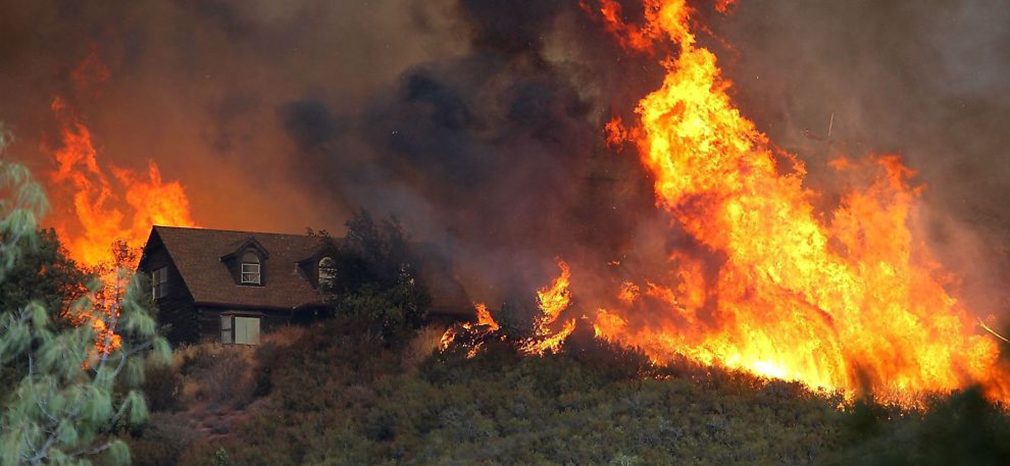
pixel 327 272
pixel 250 269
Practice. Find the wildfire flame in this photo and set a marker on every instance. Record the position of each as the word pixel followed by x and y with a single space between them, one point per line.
pixel 484 317
pixel 853 303
pixel 106 210
pixel 552 301
pixel 477 332
pixel 99 211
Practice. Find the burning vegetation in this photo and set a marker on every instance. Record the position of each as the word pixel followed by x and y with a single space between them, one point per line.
pixel 552 301
pixel 850 300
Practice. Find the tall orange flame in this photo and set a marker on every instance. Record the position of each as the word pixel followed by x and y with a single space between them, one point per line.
pixel 101 208
pixel 106 212
pixel 552 301
pixel 853 303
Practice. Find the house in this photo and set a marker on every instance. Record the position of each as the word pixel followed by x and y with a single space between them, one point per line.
pixel 231 286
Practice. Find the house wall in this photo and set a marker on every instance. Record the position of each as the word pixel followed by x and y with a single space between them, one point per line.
pixel 210 320
pixel 176 310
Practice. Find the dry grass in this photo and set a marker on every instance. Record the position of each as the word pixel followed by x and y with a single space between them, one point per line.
pixel 283 336
pixel 220 375
pixel 423 345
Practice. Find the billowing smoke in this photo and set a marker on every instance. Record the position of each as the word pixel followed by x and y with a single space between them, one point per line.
pixel 497 151
pixel 479 123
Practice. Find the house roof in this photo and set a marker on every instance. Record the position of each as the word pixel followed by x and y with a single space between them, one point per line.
pixel 197 254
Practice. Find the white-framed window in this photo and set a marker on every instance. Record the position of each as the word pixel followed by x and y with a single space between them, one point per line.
pixel 327 272
pixel 240 330
pixel 159 283
pixel 251 269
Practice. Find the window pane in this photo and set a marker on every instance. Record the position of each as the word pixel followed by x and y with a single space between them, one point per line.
pixel 226 329
pixel 247 330
pixel 250 273
pixel 253 333
pixel 159 283
pixel 326 271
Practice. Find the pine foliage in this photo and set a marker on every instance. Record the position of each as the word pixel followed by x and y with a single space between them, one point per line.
pixel 67 401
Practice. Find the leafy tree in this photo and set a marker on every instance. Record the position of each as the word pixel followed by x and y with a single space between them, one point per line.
pixel 44 273
pixel 124 257
pixel 376 276
pixel 65 409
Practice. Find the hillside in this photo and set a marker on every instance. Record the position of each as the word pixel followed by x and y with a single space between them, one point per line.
pixel 334 395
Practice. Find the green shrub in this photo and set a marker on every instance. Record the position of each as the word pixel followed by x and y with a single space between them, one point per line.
pixel 963 428
pixel 376 277
pixel 161 441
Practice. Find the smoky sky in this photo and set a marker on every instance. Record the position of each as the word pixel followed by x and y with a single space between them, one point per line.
pixel 479 123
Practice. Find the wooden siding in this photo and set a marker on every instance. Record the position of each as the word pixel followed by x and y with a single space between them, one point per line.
pixel 175 309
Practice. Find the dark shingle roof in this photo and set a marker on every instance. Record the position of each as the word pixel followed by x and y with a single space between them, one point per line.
pixel 197 254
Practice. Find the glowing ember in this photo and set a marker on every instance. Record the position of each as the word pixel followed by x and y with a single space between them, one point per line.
pixel 847 304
